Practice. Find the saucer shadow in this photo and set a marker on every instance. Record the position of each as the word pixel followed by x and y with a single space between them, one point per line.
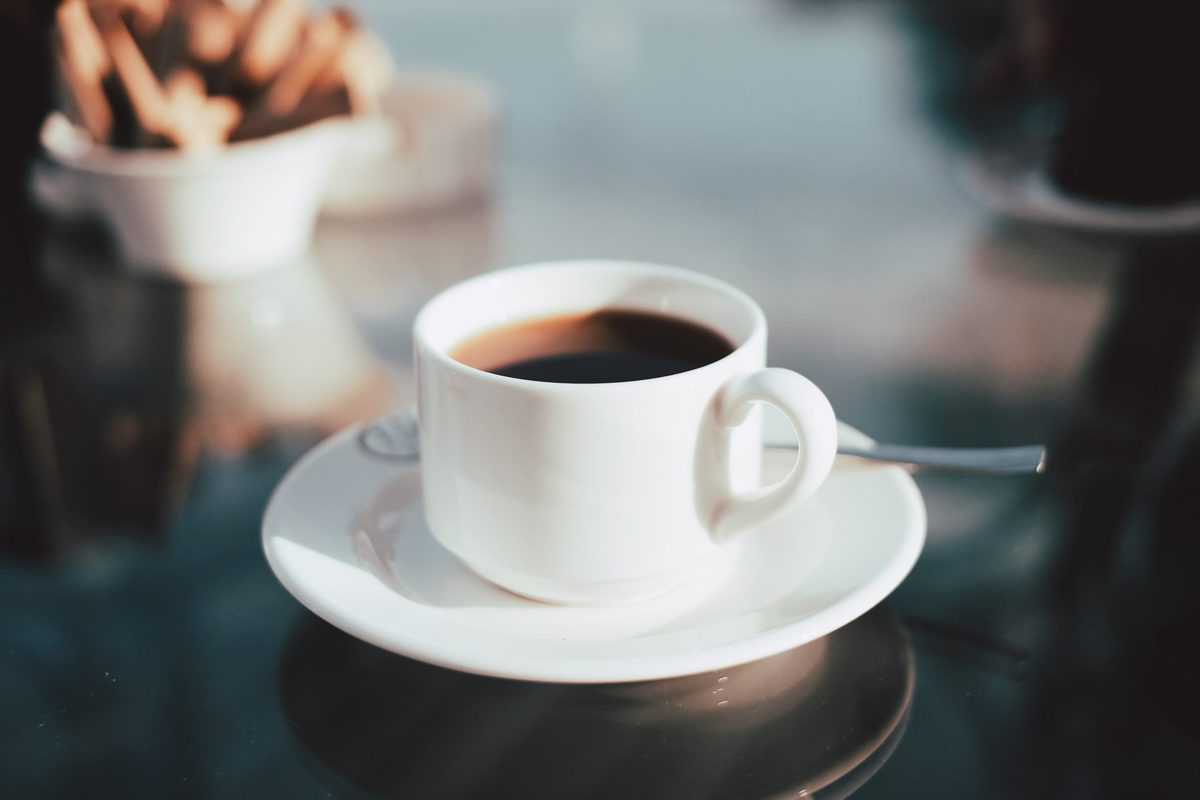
pixel 819 717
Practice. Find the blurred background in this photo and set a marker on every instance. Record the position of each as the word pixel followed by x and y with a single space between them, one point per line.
pixel 971 223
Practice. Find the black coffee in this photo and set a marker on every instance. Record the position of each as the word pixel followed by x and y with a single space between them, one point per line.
pixel 598 347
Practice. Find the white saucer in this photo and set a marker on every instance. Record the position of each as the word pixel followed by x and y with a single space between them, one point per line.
pixel 1017 186
pixel 345 534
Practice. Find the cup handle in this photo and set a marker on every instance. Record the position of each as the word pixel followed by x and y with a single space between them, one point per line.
pixel 815 424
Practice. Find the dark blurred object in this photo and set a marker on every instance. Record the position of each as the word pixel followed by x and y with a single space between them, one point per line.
pixel 92 413
pixel 24 304
pixel 24 52
pixel 1123 593
pixel 1106 85
pixel 1170 669
pixel 1125 74
pixel 975 63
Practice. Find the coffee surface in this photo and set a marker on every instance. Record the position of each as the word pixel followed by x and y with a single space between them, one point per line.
pixel 607 346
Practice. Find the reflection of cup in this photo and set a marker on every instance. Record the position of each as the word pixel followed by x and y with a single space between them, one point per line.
pixel 610 492
pixel 279 351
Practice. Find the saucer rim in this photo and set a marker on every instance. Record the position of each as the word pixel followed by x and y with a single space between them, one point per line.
pixel 1028 195
pixel 621 669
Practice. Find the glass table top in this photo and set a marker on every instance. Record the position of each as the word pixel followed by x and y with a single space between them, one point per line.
pixel 796 150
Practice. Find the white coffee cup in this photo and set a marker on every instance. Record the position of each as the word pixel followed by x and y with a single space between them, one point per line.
pixel 604 493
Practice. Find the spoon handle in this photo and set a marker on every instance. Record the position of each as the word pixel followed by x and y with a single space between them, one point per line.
pixel 395 436
pixel 990 460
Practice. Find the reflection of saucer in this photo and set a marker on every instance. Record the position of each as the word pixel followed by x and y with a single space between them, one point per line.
pixel 1017 186
pixel 742 696
pixel 399 728
pixel 345 534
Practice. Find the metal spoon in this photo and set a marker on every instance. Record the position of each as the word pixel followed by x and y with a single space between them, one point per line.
pixel 987 460
pixel 395 436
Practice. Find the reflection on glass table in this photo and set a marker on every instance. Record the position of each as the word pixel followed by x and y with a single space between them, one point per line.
pixel 786 726
pixel 115 394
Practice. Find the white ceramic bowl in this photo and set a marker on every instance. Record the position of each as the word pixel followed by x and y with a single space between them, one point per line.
pixel 208 216
pixel 252 205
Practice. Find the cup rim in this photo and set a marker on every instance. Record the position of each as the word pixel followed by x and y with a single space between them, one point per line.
pixel 756 336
